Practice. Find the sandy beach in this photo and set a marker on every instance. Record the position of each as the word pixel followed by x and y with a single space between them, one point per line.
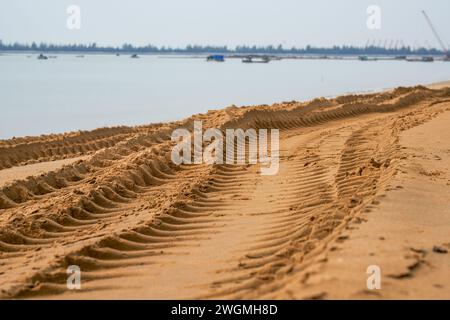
pixel 364 180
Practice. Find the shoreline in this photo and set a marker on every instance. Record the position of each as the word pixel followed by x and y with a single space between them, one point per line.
pixel 433 85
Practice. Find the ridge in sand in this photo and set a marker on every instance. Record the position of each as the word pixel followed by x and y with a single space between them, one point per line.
pixel 363 180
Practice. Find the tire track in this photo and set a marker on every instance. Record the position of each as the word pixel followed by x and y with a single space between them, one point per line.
pixel 139 226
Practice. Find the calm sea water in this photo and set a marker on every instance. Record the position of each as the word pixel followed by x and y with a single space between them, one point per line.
pixel 69 93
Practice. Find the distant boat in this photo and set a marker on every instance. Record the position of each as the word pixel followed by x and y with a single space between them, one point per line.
pixel 216 58
pixel 400 58
pixel 366 58
pixel 420 59
pixel 117 54
pixel 135 56
pixel 42 57
pixel 251 59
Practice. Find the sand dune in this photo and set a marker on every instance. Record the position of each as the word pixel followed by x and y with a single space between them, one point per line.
pixel 140 226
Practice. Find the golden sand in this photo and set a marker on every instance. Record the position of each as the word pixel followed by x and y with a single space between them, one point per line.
pixel 364 180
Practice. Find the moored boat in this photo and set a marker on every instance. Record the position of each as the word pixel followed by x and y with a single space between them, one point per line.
pixel 251 59
pixel 216 58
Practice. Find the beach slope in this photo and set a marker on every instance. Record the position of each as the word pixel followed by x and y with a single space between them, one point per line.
pixel 364 181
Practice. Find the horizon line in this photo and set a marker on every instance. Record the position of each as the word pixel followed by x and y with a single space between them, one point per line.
pixel 196 48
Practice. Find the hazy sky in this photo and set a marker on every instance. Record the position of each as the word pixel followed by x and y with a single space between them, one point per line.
pixel 228 22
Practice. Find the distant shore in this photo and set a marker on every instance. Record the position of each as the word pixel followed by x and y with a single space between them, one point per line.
pixel 369 57
pixel 370 49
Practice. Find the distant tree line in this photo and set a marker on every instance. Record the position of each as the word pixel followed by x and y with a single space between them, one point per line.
pixel 198 49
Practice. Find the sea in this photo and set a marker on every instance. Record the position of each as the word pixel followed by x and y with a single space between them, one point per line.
pixel 68 92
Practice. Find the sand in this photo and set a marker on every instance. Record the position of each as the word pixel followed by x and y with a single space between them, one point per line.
pixel 364 180
pixel 35 169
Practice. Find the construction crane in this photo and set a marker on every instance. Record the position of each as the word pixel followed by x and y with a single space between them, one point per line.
pixel 444 48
